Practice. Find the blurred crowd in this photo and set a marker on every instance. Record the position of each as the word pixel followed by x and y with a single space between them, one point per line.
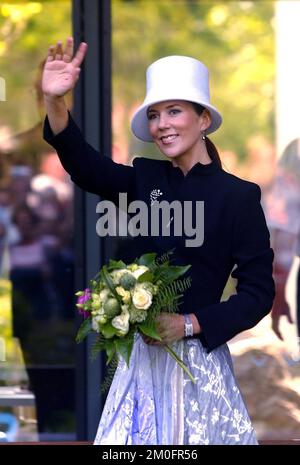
pixel 36 254
pixel 36 228
pixel 279 180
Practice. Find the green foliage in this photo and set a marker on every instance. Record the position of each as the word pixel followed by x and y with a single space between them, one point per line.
pixel 108 330
pixel 165 257
pixel 110 351
pixel 149 329
pixel 84 330
pixel 113 347
pixel 116 265
pixel 124 346
pixel 170 273
pixel 147 276
pixel 111 369
pixel 26 31
pixel 147 259
pixel 168 297
pixel 109 283
pixel 100 343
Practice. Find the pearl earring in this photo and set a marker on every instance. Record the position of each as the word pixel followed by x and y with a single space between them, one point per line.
pixel 203 135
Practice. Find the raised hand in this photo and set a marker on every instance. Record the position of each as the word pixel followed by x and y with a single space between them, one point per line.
pixel 61 70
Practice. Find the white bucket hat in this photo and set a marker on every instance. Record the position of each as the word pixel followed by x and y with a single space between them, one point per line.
pixel 174 78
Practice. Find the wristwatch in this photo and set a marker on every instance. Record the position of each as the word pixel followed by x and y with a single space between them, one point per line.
pixel 188 326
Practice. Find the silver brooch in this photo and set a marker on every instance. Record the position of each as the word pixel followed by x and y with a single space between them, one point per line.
pixel 154 194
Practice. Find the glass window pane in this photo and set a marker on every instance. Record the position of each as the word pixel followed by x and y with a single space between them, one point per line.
pixel 37 376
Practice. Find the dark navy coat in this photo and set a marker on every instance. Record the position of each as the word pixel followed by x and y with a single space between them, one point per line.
pixel 235 232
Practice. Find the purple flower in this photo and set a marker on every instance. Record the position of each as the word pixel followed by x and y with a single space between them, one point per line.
pixel 81 300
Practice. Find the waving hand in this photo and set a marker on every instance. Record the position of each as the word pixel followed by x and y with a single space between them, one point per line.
pixel 62 69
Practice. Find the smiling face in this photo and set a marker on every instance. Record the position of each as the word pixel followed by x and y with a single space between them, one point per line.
pixel 177 129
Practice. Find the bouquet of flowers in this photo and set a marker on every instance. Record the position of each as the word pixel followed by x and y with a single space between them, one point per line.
pixel 125 299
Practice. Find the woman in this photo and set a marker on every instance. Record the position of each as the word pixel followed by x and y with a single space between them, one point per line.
pixel 152 401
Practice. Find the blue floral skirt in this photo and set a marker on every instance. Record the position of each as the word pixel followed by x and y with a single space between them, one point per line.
pixel 154 402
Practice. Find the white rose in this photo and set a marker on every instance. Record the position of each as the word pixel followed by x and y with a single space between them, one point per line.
pixel 121 323
pixel 141 298
pixel 141 269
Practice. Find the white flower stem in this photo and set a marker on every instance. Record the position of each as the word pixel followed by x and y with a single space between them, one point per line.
pixel 180 362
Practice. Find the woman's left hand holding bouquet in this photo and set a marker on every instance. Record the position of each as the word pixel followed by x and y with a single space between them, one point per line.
pixel 170 327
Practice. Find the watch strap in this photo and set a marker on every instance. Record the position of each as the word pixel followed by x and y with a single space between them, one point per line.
pixel 188 326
